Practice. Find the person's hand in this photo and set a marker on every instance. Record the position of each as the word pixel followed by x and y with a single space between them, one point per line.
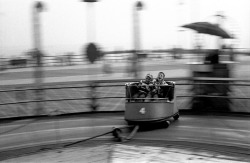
pixel 154 90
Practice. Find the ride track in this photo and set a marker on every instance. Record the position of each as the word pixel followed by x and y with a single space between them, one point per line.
pixel 228 135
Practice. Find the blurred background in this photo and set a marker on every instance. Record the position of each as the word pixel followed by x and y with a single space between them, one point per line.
pixel 64 65
pixel 70 56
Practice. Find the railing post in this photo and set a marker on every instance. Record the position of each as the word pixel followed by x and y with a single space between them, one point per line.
pixel 20 96
pixel 93 105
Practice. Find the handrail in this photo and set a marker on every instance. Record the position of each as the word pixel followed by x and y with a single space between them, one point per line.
pixel 61 99
pixel 211 96
pixel 119 97
pixel 86 84
pixel 125 81
pixel 93 97
pixel 43 88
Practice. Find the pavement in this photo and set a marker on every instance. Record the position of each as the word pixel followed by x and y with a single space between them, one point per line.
pixel 120 153
pixel 190 139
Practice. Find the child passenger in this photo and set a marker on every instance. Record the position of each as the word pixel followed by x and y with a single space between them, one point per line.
pixel 159 81
pixel 146 86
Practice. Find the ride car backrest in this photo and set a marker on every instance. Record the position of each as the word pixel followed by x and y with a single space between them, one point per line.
pixel 131 89
pixel 168 90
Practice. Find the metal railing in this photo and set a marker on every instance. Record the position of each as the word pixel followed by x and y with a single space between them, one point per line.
pixel 77 59
pixel 94 95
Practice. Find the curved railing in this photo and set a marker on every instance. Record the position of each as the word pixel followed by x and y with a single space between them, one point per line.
pixel 109 95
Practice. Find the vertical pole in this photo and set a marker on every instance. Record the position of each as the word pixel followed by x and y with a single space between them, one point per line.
pixel 137 43
pixel 90 13
pixel 178 22
pixel 135 55
pixel 220 18
pixel 38 72
pixel 2 60
pixel 90 17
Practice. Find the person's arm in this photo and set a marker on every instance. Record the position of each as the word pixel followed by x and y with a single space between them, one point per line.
pixel 165 83
pixel 140 84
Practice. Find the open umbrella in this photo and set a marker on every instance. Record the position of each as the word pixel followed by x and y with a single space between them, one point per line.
pixel 208 28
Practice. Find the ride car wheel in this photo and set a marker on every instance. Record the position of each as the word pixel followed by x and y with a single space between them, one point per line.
pixel 176 117
pixel 167 123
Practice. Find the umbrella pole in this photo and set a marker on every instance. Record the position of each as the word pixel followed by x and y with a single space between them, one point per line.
pixel 197 46
pixel 220 18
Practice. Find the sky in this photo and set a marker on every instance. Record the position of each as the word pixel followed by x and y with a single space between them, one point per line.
pixel 68 25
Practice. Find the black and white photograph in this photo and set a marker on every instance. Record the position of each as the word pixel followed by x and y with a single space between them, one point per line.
pixel 125 81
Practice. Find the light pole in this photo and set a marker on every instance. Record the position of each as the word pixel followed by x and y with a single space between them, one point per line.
pixel 137 43
pixel 91 49
pixel 90 20
pixel 38 72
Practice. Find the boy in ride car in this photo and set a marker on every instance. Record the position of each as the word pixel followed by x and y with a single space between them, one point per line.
pixel 159 81
pixel 146 86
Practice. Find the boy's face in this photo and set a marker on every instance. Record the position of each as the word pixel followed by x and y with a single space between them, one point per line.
pixel 160 76
pixel 148 79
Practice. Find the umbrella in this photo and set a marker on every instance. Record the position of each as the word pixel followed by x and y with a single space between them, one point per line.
pixel 208 28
